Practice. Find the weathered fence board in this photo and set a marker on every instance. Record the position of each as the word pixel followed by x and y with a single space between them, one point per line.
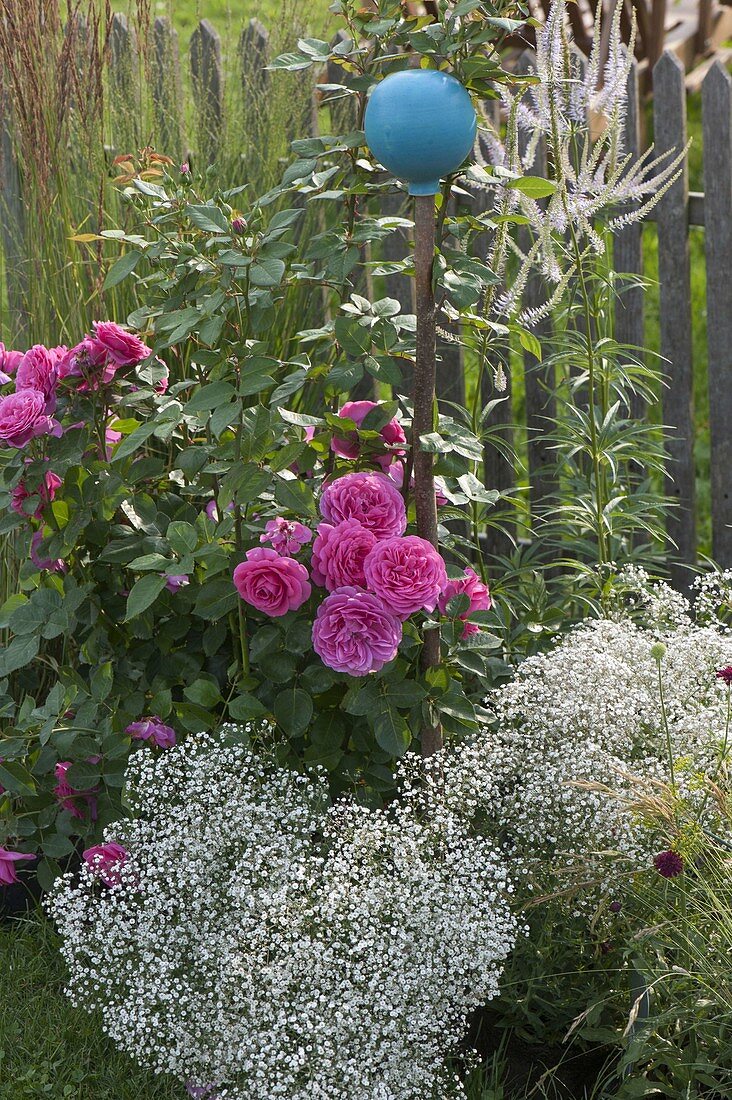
pixel 166 87
pixel 628 248
pixel 208 82
pixel 717 116
pixel 675 290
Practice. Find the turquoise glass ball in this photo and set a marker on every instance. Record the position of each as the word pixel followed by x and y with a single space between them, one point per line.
pixel 421 125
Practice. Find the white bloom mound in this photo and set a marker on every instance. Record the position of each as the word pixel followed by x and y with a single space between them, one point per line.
pixel 590 711
pixel 272 946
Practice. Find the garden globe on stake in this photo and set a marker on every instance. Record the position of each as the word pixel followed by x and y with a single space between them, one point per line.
pixel 421 125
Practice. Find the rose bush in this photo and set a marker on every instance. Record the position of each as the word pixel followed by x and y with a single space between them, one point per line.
pixel 205 529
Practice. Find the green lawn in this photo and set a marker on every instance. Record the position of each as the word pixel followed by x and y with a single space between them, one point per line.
pixel 49 1049
pixel 229 15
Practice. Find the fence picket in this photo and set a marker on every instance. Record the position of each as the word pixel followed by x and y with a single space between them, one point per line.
pixel 166 89
pixel 628 248
pixel 124 76
pixel 669 110
pixel 539 380
pixel 254 58
pixel 208 83
pixel 717 129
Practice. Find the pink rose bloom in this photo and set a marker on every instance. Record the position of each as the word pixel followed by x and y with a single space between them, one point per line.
pixel 54 566
pixel 339 553
pixel 105 861
pixel 122 347
pixel 477 592
pixel 8 873
pixel 349 445
pixel 37 370
pixel 152 729
pixel 88 360
pixel 68 797
pixel 271 583
pixel 9 360
pixel 355 632
pixel 407 573
pixel 287 538
pixel 23 416
pixel 46 492
pixel 369 497
pixel 175 581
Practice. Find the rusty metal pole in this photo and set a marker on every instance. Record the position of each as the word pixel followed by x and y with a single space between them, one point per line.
pixel 424 412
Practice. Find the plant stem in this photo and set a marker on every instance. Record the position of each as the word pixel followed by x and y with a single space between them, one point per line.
pixel 423 419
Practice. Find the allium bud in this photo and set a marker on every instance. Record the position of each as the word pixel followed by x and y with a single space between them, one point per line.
pixel 658 651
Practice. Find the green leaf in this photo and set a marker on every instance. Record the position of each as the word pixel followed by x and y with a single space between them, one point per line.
pixel 101 681
pixel 290 62
pixel 392 732
pixel 209 218
pixel 203 692
pixel 182 537
pixel 210 397
pixel 293 710
pixel 121 268
pixel 18 654
pixel 132 442
pixel 531 343
pixel 57 846
pixel 143 594
pixel 404 693
pixel 83 776
pixel 31 617
pixel 17 779
pixel 266 271
pixel 535 187
pixel 245 707
pixel 295 495
pixel 216 599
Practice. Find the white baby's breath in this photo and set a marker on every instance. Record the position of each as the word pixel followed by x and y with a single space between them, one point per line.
pixel 273 945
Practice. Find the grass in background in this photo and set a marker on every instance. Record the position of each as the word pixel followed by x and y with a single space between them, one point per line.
pixel 223 13
pixel 48 1048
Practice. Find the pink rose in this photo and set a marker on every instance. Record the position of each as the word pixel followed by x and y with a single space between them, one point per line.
pixel 37 370
pixel 477 592
pixel 287 538
pixel 106 861
pixel 8 873
pixel 271 583
pixel 408 574
pixel 68 797
pixel 123 347
pixel 152 729
pixel 46 493
pixel 349 446
pixel 355 632
pixel 23 417
pixel 9 360
pixel 88 360
pixel 369 497
pixel 339 553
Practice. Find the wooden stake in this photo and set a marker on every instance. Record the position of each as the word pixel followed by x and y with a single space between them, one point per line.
pixel 423 421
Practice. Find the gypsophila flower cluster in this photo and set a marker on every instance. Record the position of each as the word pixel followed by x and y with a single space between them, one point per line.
pixel 589 713
pixel 259 941
pixel 713 598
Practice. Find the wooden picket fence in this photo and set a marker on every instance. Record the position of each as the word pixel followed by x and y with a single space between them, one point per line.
pixel 676 215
